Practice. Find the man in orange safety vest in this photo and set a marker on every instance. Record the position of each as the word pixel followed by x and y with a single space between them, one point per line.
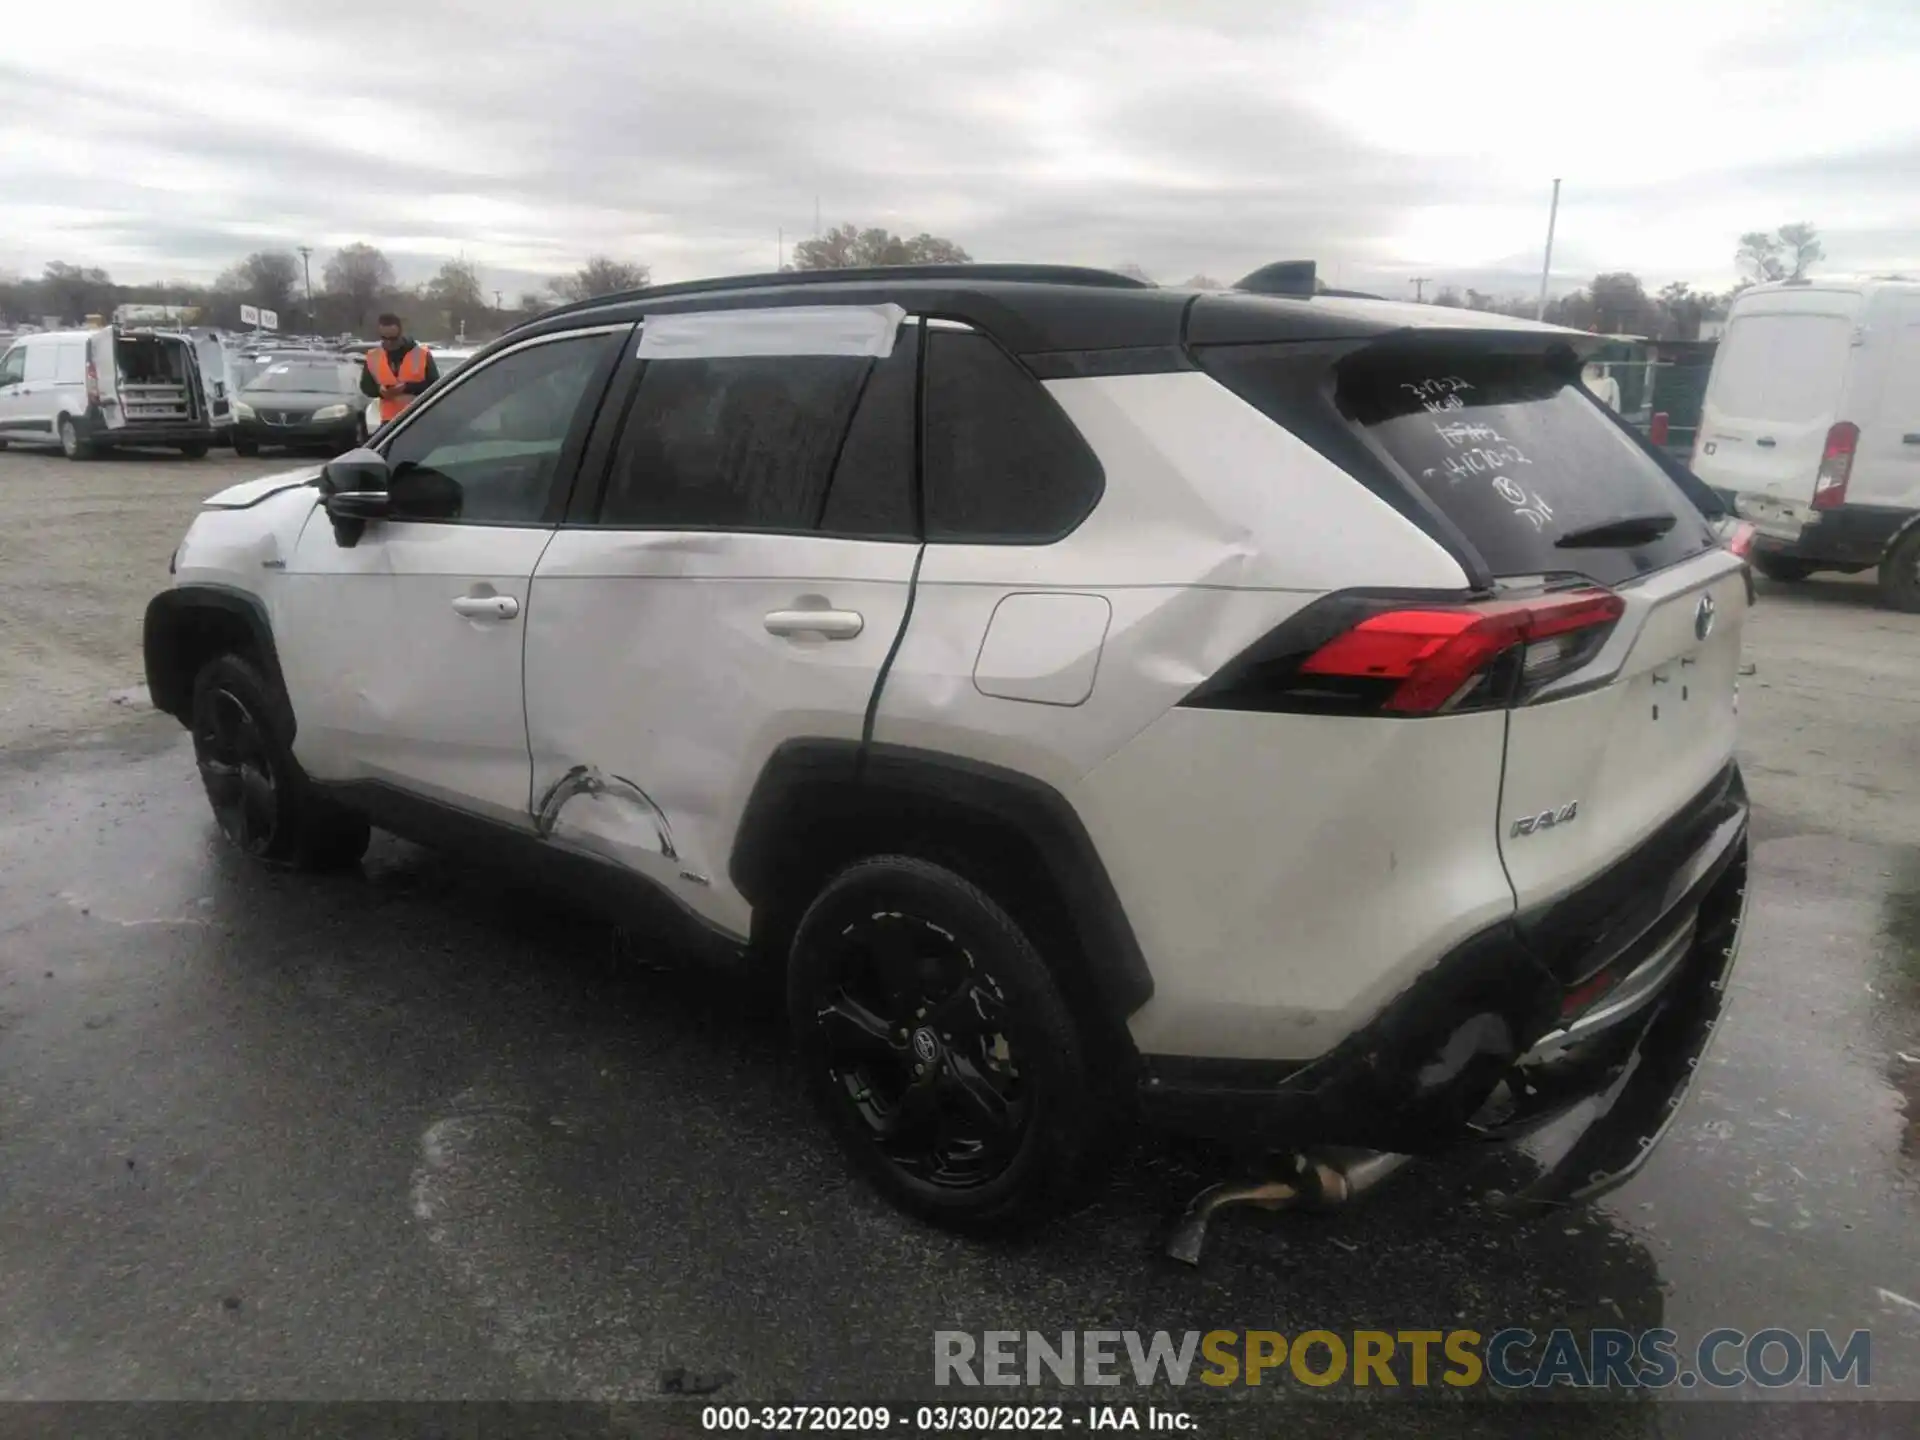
pixel 397 369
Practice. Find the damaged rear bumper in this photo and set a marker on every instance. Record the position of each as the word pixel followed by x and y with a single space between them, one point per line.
pixel 1608 1000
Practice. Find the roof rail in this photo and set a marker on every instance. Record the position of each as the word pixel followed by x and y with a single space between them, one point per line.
pixel 1030 274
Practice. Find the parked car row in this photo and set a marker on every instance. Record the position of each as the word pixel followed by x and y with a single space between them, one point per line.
pixel 85 391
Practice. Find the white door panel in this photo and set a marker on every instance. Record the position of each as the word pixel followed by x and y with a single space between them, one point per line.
pixel 664 667
pixel 402 656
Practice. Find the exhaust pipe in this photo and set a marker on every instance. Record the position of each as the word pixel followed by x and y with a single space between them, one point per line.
pixel 1324 1181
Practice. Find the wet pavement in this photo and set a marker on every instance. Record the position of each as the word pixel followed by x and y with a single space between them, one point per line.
pixel 410 1133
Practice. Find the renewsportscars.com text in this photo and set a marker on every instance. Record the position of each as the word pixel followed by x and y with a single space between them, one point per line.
pixel 1511 1358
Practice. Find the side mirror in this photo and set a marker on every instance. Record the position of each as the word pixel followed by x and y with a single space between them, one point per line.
pixel 359 505
pixel 353 488
pixel 357 470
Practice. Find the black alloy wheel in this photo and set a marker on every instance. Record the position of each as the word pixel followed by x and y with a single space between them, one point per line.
pixel 916 1042
pixel 941 1049
pixel 237 767
pixel 262 800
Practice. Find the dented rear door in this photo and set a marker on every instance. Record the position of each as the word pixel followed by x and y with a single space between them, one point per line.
pixel 736 572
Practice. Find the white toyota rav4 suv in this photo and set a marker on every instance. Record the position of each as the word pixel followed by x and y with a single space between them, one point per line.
pixel 1292 718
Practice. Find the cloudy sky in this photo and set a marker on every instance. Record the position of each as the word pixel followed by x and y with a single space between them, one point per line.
pixel 1384 138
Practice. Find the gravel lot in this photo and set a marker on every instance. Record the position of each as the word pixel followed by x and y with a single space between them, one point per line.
pixel 406 1134
pixel 85 547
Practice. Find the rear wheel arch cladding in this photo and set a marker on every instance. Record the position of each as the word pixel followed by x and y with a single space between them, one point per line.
pixel 820 804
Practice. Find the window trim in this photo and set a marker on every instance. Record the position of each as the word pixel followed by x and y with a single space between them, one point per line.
pixel 8 354
pixel 572 445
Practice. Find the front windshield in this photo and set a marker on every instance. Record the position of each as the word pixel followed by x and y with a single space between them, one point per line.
pixel 325 376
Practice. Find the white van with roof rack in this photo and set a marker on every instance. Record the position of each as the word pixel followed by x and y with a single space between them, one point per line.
pixel 1811 429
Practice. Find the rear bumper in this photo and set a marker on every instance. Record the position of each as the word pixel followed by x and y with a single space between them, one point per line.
pixel 181 432
pixel 1855 536
pixel 1610 995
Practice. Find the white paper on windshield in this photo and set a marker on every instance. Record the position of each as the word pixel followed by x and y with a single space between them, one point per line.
pixel 800 330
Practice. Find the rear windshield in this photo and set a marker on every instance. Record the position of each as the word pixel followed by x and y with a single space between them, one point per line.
pixel 1522 462
pixel 1780 367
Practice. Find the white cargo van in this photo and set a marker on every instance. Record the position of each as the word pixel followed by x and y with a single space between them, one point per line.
pixel 1811 429
pixel 89 390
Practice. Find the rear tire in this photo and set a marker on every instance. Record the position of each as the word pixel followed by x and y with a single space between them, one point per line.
pixel 1781 570
pixel 73 444
pixel 940 1048
pixel 261 799
pixel 196 450
pixel 1900 574
pixel 246 449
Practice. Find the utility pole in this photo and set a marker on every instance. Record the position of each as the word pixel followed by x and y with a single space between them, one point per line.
pixel 816 217
pixel 1420 283
pixel 306 269
pixel 1546 265
pixel 781 263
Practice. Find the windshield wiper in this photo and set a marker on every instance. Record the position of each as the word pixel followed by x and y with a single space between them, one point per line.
pixel 1627 530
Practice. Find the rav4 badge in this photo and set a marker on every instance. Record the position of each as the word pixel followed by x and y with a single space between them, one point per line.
pixel 1546 819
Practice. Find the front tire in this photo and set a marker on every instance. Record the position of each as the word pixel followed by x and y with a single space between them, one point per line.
pixel 246 449
pixel 1900 574
pixel 261 799
pixel 940 1048
pixel 73 444
pixel 1781 570
pixel 195 450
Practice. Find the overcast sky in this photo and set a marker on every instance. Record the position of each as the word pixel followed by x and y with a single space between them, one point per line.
pixel 1383 138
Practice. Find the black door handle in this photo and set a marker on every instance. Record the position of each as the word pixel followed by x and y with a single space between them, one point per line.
pixel 1766 440
pixel 1910 439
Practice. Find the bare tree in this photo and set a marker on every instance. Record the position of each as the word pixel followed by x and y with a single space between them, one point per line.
pixel 1133 272
pixel 1449 297
pixel 846 247
pixel 1801 244
pixel 1685 308
pixel 456 291
pixel 74 292
pixel 266 278
pixel 1759 253
pixel 357 275
pixel 1201 282
pixel 601 275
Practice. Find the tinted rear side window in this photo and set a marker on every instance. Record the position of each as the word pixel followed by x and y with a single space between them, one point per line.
pixel 1003 463
pixel 738 443
pixel 1520 460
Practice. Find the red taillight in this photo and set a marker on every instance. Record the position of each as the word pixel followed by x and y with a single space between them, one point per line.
pixel 1436 655
pixel 1739 539
pixel 1836 464
pixel 93 384
pixel 1657 430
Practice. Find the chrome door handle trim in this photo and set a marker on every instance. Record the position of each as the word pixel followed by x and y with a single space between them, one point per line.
pixel 832 624
pixel 486 607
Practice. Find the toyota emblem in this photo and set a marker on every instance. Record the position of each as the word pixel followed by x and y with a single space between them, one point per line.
pixel 1703 618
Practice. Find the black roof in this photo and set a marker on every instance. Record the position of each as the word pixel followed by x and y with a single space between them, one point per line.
pixel 1039 310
